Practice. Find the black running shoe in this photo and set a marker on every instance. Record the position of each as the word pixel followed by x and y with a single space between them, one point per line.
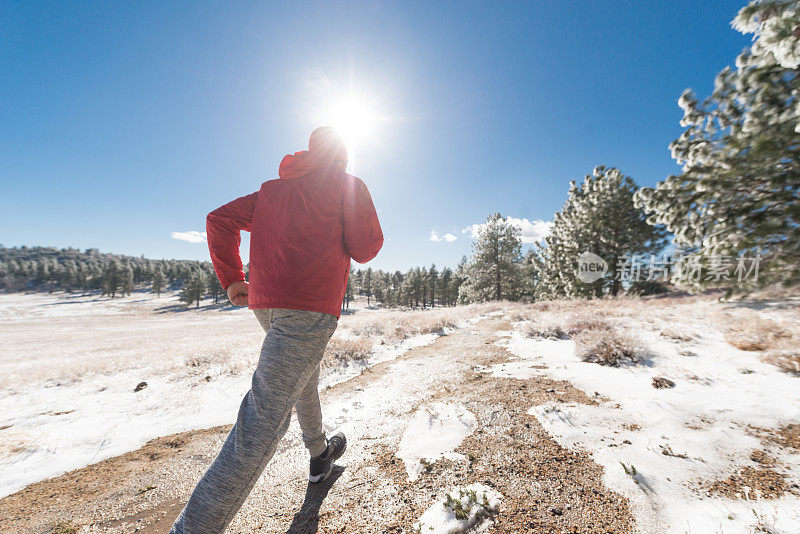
pixel 322 465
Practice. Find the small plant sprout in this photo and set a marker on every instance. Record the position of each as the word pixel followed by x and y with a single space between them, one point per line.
pixel 630 470
pixel 461 510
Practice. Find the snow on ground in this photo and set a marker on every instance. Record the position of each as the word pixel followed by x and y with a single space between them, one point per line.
pixel 433 432
pixel 70 364
pixel 464 509
pixel 670 440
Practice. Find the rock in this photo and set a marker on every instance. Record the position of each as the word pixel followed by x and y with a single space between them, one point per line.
pixel 140 386
pixel 659 382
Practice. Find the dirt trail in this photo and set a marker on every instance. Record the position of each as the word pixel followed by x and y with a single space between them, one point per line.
pixel 545 488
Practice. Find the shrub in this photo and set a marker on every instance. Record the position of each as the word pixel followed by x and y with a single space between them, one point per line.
pixel 607 347
pixel 546 326
pixel 578 323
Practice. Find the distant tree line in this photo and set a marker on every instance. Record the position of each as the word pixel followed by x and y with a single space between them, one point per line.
pixel 68 269
pixel 419 287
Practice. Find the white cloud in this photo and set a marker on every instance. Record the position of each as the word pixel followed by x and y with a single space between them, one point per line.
pixel 446 237
pixel 530 231
pixel 472 230
pixel 192 236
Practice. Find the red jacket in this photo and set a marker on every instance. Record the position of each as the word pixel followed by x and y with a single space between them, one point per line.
pixel 305 227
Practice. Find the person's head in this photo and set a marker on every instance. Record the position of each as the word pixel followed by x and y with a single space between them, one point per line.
pixel 326 140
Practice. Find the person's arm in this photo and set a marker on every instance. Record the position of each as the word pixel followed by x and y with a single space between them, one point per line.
pixel 362 231
pixel 223 229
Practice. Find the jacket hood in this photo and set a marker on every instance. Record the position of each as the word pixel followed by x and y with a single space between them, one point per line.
pixel 304 162
pixel 325 148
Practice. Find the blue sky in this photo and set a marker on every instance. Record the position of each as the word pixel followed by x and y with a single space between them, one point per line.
pixel 121 123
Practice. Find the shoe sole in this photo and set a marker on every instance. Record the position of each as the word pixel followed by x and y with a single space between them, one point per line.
pixel 328 473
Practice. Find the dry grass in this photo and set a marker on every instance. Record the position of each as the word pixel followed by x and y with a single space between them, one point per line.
pixel 676 334
pixel 64 528
pixel 788 360
pixel 394 326
pixel 757 334
pixel 761 457
pixel 608 347
pixel 546 325
pixel 359 333
pixel 554 325
pixel 779 342
pixel 786 436
pixel 583 322
pixel 596 326
pixel 341 351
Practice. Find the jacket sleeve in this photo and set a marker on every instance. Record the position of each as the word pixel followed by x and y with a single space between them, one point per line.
pixel 223 230
pixel 363 237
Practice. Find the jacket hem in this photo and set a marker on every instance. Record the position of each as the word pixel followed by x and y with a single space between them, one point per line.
pixel 266 304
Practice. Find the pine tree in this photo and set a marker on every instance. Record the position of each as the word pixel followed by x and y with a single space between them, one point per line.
pixel 367 281
pixel 126 277
pixel 379 293
pixel 158 282
pixel 81 277
pixel 530 275
pixel 494 272
pixel 348 290
pixel 433 282
pixel 775 25
pixel 444 286
pixel 739 193
pixel 213 287
pixel 599 217
pixel 111 278
pixel 42 272
pixel 193 290
pixel 358 281
pixel 459 277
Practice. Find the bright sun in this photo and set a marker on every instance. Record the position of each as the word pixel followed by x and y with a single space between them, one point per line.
pixel 355 117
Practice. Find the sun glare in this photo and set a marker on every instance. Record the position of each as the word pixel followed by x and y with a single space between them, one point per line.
pixel 356 117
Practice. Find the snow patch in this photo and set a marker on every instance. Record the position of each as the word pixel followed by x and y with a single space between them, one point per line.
pixel 54 425
pixel 656 445
pixel 433 432
pixel 463 509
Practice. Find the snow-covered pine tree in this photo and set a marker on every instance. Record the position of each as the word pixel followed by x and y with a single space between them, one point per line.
pixel 494 272
pixel 775 25
pixel 598 217
pixel 739 192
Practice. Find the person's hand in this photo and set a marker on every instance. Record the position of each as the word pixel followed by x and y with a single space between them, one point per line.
pixel 237 293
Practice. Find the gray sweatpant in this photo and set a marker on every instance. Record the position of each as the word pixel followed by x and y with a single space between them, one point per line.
pixel 286 376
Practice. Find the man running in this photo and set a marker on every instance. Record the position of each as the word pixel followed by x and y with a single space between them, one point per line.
pixel 305 227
